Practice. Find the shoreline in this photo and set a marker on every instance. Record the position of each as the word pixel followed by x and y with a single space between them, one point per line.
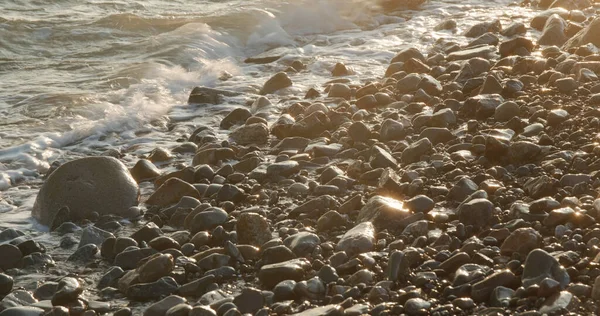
pixel 462 182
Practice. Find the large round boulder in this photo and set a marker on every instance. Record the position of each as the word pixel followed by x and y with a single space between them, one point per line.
pixel 86 185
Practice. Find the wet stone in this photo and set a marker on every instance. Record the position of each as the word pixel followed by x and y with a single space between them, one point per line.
pixel 283 168
pixel 420 204
pixel 150 291
pixel 414 306
pixel 540 265
pixel 417 149
pixel 359 239
pixel 155 268
pixel 22 311
pixel 562 301
pixel 161 307
pixel 144 170
pixel 179 310
pixel 359 132
pixel 249 301
pixel 11 256
pixel 147 233
pixel 477 212
pixel 462 189
pixel 501 296
pixel 197 287
pixel 6 284
pixel 85 253
pixel 110 278
pixel 208 219
pixel 17 298
pixel 277 82
pixel 380 158
pixel 481 291
pixel 163 242
pixel 171 191
pixel 302 243
pixel 522 240
pixel 202 311
pixel 94 235
pixel 67 291
pixel 129 259
pixel 252 229
pixel 272 274
pixel 383 212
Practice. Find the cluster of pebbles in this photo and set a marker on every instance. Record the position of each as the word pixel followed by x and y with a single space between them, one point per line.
pixel 462 182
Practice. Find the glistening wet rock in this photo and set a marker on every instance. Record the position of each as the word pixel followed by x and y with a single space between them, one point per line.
pixel 540 265
pixel 93 184
pixel 359 239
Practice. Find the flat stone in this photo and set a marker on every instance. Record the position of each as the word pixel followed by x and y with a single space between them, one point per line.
pixel 571 180
pixel 462 189
pixel 23 311
pixel 94 235
pixel 484 51
pixel 339 90
pixel 84 254
pixel 327 310
pixel 197 287
pixel 302 243
pixel 481 291
pixel 501 296
pixel 566 85
pixel 562 301
pixel 17 298
pixel 506 111
pixel 380 158
pixel 330 220
pixel 359 239
pixel 414 151
pixel 383 212
pixel 271 274
pixel 208 219
pixel 161 307
pixel 283 168
pixel 110 278
pixel 481 28
pixel 236 117
pixel 6 284
pixel 151 291
pixel 129 259
pixel 171 192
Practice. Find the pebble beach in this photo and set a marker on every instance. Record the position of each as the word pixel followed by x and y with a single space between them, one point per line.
pixel 456 175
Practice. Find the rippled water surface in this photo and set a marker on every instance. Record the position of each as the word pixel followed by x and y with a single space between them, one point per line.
pixel 82 77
